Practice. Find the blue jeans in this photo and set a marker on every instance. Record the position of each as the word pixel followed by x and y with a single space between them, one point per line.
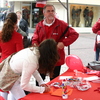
pixel 97 53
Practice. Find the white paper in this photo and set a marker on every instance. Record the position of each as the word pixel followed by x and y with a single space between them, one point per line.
pixel 85 78
pixel 64 77
pixel 91 78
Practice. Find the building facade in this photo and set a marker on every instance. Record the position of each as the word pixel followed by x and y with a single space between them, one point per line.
pixel 81 13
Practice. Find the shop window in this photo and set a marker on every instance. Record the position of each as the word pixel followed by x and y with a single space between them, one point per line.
pixel 37 14
pixel 82 15
pixel 26 8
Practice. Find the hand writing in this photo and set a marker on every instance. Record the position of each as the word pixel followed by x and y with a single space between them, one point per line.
pixel 47 87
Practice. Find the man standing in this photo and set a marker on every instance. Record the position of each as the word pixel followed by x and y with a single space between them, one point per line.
pixel 51 27
pixel 25 14
pixel 21 22
pixel 23 25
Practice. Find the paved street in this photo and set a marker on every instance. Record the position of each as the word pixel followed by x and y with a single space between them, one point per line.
pixel 84 47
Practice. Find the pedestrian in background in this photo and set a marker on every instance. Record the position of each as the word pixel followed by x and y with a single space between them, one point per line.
pixel 51 27
pixel 96 30
pixel 25 14
pixel 22 22
pixel 10 40
pixel 23 25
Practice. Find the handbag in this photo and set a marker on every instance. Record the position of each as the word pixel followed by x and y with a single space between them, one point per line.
pixel 94 65
pixel 7 76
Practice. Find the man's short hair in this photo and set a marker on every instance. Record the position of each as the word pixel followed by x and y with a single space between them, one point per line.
pixel 48 5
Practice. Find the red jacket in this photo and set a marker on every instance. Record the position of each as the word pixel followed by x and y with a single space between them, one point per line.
pixel 55 31
pixel 96 27
pixel 14 45
pixel 96 30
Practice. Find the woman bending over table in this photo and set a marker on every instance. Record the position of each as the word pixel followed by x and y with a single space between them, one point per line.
pixel 25 63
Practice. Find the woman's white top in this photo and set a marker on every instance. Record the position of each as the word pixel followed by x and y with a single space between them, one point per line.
pixel 98 38
pixel 26 63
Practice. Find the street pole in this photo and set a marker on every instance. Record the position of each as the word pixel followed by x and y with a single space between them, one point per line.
pixel 66 7
pixel 68 23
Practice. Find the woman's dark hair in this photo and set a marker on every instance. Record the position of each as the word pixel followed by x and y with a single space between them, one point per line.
pixel 8 27
pixel 48 56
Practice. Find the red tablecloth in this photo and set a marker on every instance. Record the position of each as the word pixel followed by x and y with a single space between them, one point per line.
pixel 84 95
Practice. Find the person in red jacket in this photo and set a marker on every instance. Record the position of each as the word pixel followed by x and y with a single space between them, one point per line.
pixel 96 30
pixel 10 40
pixel 51 27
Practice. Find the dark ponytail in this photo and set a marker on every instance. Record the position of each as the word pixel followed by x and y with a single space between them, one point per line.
pixel 8 27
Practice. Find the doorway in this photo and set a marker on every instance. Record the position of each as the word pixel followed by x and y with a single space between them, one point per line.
pixel 37 14
pixel 31 13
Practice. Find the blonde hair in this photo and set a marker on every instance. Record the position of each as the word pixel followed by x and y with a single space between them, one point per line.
pixel 18 11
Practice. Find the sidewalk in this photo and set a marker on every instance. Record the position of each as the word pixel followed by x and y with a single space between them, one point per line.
pixel 84 47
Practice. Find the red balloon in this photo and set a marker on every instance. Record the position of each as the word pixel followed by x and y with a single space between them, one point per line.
pixel 74 62
pixel 1 98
